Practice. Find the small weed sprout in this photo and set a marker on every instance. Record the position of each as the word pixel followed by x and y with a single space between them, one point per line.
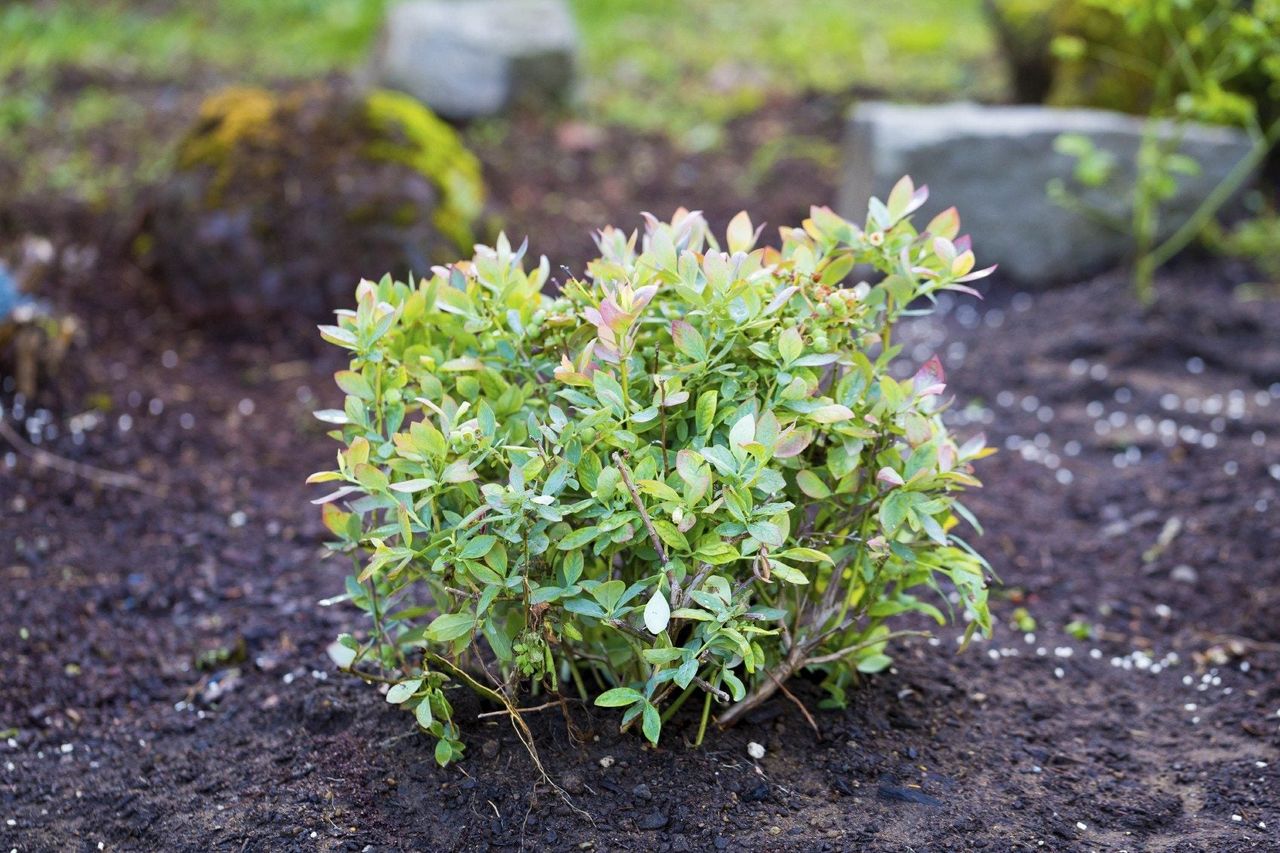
pixel 689 474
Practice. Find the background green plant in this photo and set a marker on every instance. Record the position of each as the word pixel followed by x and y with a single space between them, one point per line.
pixel 1177 61
pixel 690 473
pixel 1255 240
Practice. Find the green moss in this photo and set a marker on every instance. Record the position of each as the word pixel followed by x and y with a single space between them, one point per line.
pixel 244 131
pixel 229 120
pixel 409 133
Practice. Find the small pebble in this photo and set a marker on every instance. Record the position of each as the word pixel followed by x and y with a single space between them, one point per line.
pixel 755 750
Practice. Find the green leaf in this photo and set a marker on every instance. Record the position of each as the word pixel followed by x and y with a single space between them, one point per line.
pixel 766 532
pixel 670 534
pixel 354 384
pixel 685 674
pixel 812 485
pixel 607 482
pixel 790 345
pixel 478 547
pixel 423 713
pixel 805 555
pixel 659 490
pixel 584 608
pixel 370 477
pixel 790 574
pixel 894 510
pixel 874 663
pixel 619 697
pixel 608 594
pixel 608 391
pixel 706 412
pixel 661 656
pixel 651 724
pixel 450 626
pixel 688 340
pixel 578 538
pixel 691 613
pixel 340 336
pixel 556 480
pixel 736 688
pixel 831 414
pixel 403 691
pixel 716 553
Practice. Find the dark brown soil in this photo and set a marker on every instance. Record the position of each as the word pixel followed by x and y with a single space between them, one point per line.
pixel 1161 731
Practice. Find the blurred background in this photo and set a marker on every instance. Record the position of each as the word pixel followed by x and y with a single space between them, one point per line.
pixel 96 96
pixel 188 187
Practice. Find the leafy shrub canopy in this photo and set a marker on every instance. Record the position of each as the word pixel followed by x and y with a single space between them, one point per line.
pixel 690 472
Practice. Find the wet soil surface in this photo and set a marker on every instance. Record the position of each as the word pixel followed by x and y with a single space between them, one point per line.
pixel 163 681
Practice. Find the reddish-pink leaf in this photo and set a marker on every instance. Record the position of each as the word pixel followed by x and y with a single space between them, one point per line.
pixel 929 379
pixel 889 476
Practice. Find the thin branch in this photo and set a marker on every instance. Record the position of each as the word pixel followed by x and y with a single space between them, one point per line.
pixel 813 724
pixel 544 706
pixel 875 641
pixel 785 670
pixel 720 695
pixel 628 629
pixel 648 523
pixel 644 513
pixel 522 730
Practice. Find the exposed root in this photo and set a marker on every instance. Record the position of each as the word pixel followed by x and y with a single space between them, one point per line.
pixel 100 476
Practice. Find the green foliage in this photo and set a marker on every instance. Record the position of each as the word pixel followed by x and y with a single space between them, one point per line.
pixel 1213 58
pixel 1200 60
pixel 691 472
pixel 1209 60
pixel 1255 240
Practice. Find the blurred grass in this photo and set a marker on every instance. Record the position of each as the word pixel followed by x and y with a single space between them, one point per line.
pixel 89 72
pixel 686 66
pixel 161 38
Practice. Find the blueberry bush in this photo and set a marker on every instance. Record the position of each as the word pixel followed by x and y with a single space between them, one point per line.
pixel 688 474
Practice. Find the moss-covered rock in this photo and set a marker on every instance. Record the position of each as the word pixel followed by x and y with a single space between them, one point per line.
pixel 280 202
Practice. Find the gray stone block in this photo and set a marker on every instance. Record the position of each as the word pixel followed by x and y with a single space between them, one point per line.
pixel 993 164
pixel 475 58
